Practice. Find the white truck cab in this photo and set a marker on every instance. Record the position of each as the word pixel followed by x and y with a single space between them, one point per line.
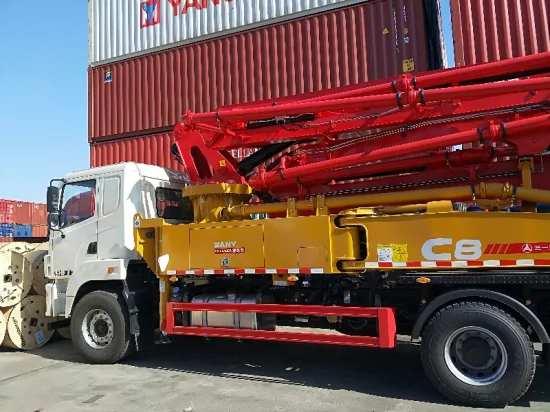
pixel 91 242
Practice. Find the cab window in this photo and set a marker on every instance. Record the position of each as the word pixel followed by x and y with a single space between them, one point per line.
pixel 78 202
pixel 172 205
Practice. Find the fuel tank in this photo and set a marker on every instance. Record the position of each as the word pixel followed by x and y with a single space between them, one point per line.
pixel 233 319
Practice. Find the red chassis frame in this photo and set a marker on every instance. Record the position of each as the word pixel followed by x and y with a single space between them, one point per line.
pixel 378 135
pixel 387 335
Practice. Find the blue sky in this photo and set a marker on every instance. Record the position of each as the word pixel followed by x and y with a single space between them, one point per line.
pixel 44 97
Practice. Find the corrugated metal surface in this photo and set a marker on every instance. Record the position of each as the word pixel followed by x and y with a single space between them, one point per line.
pixel 19 231
pixel 40 231
pixel 7 230
pixel 22 231
pixel 124 28
pixel 151 149
pixel 354 44
pixel 23 213
pixel 7 211
pixel 491 30
pixel 39 215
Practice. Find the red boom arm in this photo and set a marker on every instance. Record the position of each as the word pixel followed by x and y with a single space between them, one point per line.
pixel 379 135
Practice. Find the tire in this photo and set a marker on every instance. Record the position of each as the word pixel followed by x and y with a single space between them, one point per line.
pixel 490 365
pixel 112 340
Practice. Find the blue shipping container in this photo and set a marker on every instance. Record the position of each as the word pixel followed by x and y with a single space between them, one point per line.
pixel 7 229
pixel 23 231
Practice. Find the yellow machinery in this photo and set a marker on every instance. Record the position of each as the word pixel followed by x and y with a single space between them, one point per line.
pixel 397 265
pixel 354 221
pixel 421 236
pixel 360 231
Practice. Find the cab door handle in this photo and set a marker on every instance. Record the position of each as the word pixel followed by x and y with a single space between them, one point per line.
pixel 92 249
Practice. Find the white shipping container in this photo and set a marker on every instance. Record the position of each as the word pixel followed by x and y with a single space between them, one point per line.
pixel 120 29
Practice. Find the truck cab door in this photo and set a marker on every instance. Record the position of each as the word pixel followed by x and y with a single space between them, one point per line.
pixel 75 241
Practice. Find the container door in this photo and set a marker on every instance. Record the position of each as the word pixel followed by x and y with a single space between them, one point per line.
pixel 76 241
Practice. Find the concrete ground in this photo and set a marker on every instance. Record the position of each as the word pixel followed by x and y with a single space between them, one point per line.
pixel 224 375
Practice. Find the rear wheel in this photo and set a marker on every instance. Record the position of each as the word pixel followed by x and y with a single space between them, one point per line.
pixel 100 328
pixel 476 354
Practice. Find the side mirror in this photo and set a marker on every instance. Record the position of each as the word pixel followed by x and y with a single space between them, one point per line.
pixel 53 220
pixel 53 199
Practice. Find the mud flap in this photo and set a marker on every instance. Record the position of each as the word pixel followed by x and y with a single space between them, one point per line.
pixel 546 354
pixel 132 312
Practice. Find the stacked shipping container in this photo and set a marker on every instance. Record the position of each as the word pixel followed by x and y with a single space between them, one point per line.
pixel 152 60
pixel 491 30
pixel 147 69
pixel 22 220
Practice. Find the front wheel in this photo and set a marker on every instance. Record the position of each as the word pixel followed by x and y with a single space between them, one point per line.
pixel 478 355
pixel 100 328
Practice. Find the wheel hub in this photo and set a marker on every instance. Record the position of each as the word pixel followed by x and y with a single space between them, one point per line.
pixel 97 328
pixel 476 356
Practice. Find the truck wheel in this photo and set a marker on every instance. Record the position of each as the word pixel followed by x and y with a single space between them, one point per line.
pixel 478 355
pixel 100 328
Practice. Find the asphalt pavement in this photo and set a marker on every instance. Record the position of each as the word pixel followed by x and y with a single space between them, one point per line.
pixel 193 374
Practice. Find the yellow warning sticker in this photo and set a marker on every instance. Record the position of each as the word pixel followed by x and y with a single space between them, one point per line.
pixel 222 163
pixel 408 65
pixel 393 253
pixel 385 31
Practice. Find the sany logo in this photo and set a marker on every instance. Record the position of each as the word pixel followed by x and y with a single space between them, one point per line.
pixel 225 244
pixel 150 13
pixel 181 6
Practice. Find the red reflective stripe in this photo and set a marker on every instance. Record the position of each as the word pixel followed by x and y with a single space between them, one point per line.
pixel 368 265
pixel 474 262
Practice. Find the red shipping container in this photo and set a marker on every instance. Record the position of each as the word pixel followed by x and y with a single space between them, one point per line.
pixel 492 30
pixel 371 40
pixel 5 240
pixel 40 231
pixel 39 214
pixel 23 213
pixel 151 149
pixel 7 211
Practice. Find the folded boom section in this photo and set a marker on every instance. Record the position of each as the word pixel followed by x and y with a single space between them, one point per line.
pixel 380 136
